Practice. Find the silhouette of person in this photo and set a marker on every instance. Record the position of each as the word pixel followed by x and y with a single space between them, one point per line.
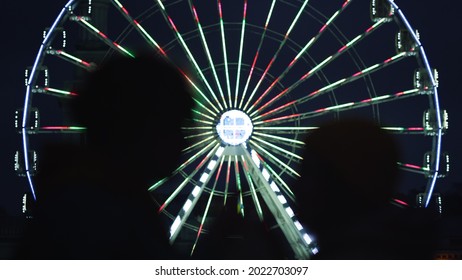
pixel 349 173
pixel 93 201
pixel 233 237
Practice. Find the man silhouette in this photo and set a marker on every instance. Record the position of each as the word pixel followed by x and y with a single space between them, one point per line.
pixel 92 200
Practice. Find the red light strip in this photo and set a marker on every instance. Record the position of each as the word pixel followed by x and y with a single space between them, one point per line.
pixel 321 65
pixel 262 37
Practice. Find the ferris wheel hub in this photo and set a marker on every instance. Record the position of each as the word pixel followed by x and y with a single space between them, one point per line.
pixel 234 127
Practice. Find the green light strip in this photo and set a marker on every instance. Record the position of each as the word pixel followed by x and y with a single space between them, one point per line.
pixel 186 180
pixel 207 207
pixel 262 37
pixel 252 190
pixel 198 135
pixel 225 56
pixel 321 65
pixel 279 138
pixel 281 45
pixel 190 57
pixel 204 115
pixel 241 47
pixel 296 18
pixel 277 148
pixel 212 64
pixel 198 143
pixel 275 158
pixel 183 165
pixel 283 184
pixel 228 174
pixel 240 206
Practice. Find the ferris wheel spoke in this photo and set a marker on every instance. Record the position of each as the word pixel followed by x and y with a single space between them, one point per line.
pixel 278 162
pixel 201 93
pixel 187 179
pixel 151 41
pixel 58 129
pixel 285 152
pixel 198 135
pixel 138 27
pixel 280 155
pixel 237 173
pixel 359 74
pixel 282 140
pixel 319 34
pixel 228 176
pixel 195 194
pixel 207 207
pixel 72 59
pixel 203 115
pixel 276 110
pixel 54 92
pixel 184 165
pixel 286 129
pixel 253 191
pixel 305 130
pixel 413 168
pixel 204 107
pixel 357 104
pixel 300 53
pixel 405 130
pixel 210 140
pixel 197 128
pixel 202 121
pixel 207 50
pixel 190 56
pixel 285 187
pixel 103 37
pixel 225 55
pixel 241 47
pixel 181 186
pixel 252 68
pixel 267 170
pixel 329 88
pixel 276 54
pixel 321 65
pixel 199 143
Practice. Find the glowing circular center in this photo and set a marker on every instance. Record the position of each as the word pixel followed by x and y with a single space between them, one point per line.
pixel 235 127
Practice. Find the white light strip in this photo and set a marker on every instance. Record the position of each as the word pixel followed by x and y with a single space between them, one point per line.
pixel 196 191
pixel 220 151
pixel 204 177
pixel 175 225
pixel 274 187
pixel 282 199
pixel 212 164
pixel 187 205
pixel 265 174
pixel 308 240
pixel 298 225
pixel 290 212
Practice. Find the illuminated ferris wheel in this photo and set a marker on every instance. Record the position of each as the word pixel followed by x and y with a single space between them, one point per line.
pixel 264 74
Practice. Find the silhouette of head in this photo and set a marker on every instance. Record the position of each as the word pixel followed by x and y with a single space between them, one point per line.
pixel 349 168
pixel 133 110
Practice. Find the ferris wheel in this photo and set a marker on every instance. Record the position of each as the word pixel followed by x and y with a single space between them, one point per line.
pixel 264 74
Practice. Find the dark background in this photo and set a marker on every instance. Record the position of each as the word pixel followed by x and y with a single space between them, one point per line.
pixel 23 22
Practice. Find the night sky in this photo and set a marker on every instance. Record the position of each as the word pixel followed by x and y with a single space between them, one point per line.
pixel 23 22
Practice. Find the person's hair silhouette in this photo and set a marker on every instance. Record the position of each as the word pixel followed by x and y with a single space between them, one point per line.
pixel 349 173
pixel 133 110
pixel 93 201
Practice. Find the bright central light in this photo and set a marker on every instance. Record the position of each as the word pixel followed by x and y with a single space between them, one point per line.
pixel 235 127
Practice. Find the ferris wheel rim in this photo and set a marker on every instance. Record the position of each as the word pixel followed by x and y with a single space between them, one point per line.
pixel 337 107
